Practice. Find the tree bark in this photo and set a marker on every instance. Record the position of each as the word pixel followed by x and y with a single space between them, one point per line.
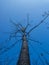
pixel 24 58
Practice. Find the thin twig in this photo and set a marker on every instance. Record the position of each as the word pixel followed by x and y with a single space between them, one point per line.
pixel 35 41
pixel 42 55
pixel 37 54
pixel 8 48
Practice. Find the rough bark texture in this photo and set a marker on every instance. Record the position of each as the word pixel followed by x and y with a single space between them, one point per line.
pixel 24 54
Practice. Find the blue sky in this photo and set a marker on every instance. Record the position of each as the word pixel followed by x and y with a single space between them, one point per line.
pixel 17 11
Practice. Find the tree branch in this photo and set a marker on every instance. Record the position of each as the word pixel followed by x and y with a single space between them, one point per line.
pixel 42 48
pixel 9 39
pixel 45 50
pixel 17 25
pixel 20 25
pixel 26 26
pixel 8 48
pixel 42 55
pixel 27 22
pixel 12 59
pixel 35 41
pixel 37 54
pixel 38 24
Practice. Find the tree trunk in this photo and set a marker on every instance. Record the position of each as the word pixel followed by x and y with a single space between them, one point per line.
pixel 24 54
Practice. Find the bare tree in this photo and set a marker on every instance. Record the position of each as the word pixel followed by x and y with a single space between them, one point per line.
pixel 24 57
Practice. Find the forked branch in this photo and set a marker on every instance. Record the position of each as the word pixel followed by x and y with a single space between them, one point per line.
pixel 17 25
pixel 38 24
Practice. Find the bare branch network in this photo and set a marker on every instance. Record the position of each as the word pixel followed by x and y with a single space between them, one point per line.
pixel 20 29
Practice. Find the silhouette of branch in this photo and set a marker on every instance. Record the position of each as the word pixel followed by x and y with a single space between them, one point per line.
pixel 13 23
pixel 16 31
pixel 8 48
pixel 27 22
pixel 9 39
pixel 20 25
pixel 35 41
pixel 42 55
pixel 26 26
pixel 37 54
pixel 12 59
pixel 45 50
pixel 8 60
pixel 17 25
pixel 38 24
pixel 40 46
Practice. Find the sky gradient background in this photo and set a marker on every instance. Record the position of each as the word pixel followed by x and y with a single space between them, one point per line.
pixel 17 11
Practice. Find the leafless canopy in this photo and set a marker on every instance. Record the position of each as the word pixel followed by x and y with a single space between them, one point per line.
pixel 23 30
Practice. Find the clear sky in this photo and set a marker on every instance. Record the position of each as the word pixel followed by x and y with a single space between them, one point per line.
pixel 17 11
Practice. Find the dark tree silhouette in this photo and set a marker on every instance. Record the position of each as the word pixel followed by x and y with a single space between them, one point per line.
pixel 24 57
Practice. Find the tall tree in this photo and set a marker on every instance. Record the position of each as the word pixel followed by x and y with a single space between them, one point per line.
pixel 24 57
